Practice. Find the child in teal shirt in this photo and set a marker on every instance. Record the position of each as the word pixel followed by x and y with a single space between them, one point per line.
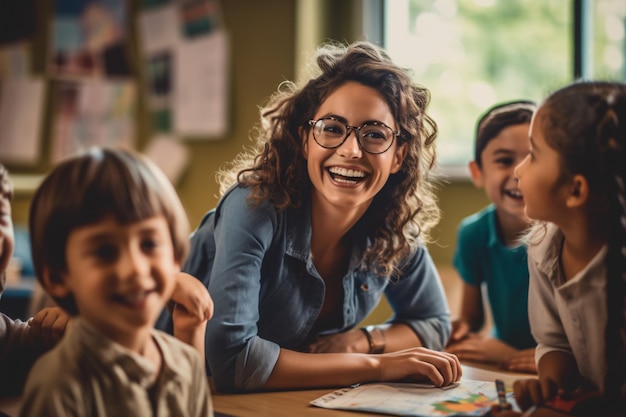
pixel 488 248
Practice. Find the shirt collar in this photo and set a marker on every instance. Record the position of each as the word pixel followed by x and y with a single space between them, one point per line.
pixel 116 357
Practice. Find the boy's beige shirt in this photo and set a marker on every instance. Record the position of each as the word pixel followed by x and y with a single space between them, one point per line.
pixel 87 374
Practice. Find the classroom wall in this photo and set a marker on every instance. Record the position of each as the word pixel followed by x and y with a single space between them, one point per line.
pixel 263 36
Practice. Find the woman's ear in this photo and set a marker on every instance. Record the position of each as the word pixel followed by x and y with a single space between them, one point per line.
pixel 398 157
pixel 578 192
pixel 305 143
pixel 56 287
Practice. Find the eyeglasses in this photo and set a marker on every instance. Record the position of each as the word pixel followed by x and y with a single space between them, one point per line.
pixel 373 137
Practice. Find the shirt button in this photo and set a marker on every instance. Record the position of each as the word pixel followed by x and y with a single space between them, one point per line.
pixel 365 287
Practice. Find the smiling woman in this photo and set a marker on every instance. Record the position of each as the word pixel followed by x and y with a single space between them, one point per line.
pixel 329 215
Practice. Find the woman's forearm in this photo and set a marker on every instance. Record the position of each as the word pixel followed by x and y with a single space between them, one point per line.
pixel 307 370
pixel 302 370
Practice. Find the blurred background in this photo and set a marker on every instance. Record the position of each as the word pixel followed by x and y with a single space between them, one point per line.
pixel 182 80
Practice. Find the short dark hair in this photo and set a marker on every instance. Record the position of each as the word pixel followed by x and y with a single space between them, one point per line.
pixel 497 118
pixel 87 187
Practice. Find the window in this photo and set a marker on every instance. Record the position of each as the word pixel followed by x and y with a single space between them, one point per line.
pixel 472 54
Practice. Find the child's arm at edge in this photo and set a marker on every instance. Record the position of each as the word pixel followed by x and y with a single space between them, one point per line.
pixel 192 308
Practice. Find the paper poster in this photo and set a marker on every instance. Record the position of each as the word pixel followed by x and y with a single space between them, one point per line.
pixel 185 56
pixel 21 115
pixel 89 39
pixel 201 86
pixel 93 113
pixel 170 155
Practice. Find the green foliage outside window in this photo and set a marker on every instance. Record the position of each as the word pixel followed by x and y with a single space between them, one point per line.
pixel 472 54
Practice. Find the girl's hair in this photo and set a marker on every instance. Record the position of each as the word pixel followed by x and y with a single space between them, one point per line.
pixel 86 188
pixel 585 123
pixel 496 119
pixel 276 170
pixel 6 185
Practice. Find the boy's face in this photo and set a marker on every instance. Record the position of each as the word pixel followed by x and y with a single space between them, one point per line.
pixel 120 276
pixel 499 159
pixel 6 233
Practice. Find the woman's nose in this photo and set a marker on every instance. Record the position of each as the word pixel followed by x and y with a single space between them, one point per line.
pixel 350 147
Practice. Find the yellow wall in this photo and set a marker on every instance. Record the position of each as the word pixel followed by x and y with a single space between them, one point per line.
pixel 263 38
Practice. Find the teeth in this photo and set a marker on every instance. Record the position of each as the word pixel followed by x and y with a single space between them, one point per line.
pixel 134 296
pixel 352 173
pixel 514 193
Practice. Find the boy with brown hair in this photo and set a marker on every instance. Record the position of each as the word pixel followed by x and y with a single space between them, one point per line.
pixel 108 237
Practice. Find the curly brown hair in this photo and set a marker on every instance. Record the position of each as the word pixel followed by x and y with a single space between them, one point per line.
pixel 275 169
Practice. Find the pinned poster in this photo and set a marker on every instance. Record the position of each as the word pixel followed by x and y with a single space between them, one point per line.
pixel 89 39
pixel 93 113
pixel 170 155
pixel 201 86
pixel 21 113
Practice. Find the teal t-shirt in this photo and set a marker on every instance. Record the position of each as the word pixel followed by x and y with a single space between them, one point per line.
pixel 481 258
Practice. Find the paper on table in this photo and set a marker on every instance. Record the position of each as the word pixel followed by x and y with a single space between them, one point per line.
pixel 468 398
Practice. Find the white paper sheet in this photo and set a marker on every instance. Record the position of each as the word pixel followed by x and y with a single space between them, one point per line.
pixel 468 398
pixel 201 86
pixel 159 29
pixel 21 112
pixel 169 155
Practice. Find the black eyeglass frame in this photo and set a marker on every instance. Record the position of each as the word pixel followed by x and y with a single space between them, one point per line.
pixel 357 130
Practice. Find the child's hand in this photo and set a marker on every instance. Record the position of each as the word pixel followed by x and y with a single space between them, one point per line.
pixel 193 303
pixel 460 330
pixel 48 326
pixel 192 308
pixel 529 392
pixel 496 411
pixel 6 236
pixel 522 361
pixel 480 349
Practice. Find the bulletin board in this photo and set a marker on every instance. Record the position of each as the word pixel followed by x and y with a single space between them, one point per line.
pixel 147 74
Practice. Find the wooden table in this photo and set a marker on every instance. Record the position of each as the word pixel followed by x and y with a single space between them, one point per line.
pixel 296 403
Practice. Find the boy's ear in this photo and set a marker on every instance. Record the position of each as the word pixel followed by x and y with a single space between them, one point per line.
pixel 578 192
pixel 476 173
pixel 55 287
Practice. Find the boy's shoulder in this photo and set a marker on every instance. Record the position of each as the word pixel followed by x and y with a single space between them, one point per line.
pixel 176 353
pixel 479 224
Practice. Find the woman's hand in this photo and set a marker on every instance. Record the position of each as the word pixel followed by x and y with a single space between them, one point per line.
pixel 420 364
pixel 48 326
pixel 480 349
pixel 352 341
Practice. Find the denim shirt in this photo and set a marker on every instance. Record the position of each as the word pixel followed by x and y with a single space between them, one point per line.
pixel 256 262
